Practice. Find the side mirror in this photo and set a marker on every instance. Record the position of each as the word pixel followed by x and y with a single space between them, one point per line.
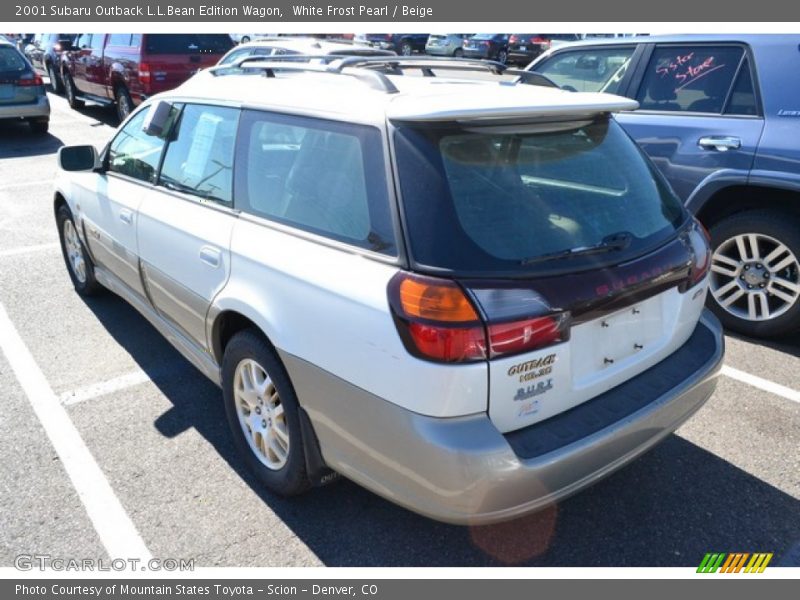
pixel 77 158
pixel 157 121
pixel 64 45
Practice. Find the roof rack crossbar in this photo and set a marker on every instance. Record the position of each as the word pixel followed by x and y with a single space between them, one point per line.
pixel 374 79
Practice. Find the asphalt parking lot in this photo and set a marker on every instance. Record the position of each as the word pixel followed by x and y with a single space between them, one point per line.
pixel 154 428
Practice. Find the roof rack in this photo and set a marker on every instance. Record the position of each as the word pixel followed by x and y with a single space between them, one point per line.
pixel 374 69
pixel 374 79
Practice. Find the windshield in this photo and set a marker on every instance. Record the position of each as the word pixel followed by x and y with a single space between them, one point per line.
pixel 494 199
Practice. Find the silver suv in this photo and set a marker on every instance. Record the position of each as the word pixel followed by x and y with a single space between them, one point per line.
pixel 472 297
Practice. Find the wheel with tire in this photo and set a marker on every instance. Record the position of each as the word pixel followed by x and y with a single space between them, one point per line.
pixel 263 413
pixel 754 282
pixel 123 102
pixel 71 92
pixel 79 266
pixel 244 39
pixel 458 53
pixel 502 56
pixel 406 49
pixel 39 126
pixel 55 82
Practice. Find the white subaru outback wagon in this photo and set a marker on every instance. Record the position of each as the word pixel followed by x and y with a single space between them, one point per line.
pixel 471 297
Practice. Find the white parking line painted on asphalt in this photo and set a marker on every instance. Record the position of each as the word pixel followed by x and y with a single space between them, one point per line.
pixel 28 249
pixel 762 384
pixel 103 388
pixel 25 184
pixel 113 525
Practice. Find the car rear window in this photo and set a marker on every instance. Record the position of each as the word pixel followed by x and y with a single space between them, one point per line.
pixel 11 60
pixel 187 43
pixel 490 200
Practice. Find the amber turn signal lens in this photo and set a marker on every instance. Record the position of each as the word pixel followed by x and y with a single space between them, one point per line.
pixel 438 302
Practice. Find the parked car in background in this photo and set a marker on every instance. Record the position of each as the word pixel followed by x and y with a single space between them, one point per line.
pixel 22 93
pixel 721 118
pixel 124 69
pixel 524 47
pixel 404 44
pixel 44 52
pixel 446 44
pixel 243 38
pixel 526 320
pixel 300 46
pixel 491 46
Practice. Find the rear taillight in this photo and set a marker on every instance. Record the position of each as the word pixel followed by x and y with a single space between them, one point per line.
pixel 700 242
pixel 485 43
pixel 437 320
pixel 388 37
pixel 145 74
pixel 513 39
pixel 527 334
pixel 29 81
pixel 542 41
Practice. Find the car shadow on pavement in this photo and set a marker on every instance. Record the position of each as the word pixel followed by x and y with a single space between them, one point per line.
pixel 17 139
pixel 668 508
pixel 789 344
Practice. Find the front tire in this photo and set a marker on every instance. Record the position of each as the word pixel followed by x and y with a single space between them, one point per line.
pixel 755 273
pixel 502 57
pixel 79 266
pixel 406 49
pixel 263 413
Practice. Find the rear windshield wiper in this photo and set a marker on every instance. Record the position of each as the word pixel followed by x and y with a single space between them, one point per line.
pixel 615 241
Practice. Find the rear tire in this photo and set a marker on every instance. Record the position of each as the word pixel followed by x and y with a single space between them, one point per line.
pixel 244 39
pixel 406 49
pixel 263 413
pixel 71 92
pixel 769 272
pixel 123 102
pixel 55 82
pixel 79 266
pixel 502 57
pixel 458 53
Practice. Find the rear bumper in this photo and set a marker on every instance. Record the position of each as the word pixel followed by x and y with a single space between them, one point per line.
pixel 39 109
pixel 463 470
pixel 440 50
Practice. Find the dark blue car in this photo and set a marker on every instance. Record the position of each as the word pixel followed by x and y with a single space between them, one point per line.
pixel 720 116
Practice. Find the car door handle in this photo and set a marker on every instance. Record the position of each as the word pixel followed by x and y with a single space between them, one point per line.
pixel 210 256
pixel 719 143
pixel 126 216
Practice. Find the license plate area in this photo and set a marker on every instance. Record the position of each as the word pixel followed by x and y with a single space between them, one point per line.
pixel 613 342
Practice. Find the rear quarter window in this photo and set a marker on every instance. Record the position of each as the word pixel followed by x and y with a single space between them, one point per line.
pixel 689 78
pixel 324 177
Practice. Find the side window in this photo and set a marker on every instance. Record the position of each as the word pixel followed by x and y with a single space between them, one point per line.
pixel 120 39
pixel 590 70
pixel 743 97
pixel 689 78
pixel 136 40
pixel 97 41
pixel 84 41
pixel 133 153
pixel 323 177
pixel 199 158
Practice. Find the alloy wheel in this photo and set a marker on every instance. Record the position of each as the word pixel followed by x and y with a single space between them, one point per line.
pixel 755 277
pixel 261 414
pixel 74 252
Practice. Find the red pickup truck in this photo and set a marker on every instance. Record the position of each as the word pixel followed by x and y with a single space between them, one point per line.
pixel 123 69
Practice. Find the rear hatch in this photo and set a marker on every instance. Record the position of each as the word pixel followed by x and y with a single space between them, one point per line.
pixel 582 267
pixel 528 43
pixel 170 59
pixel 18 83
